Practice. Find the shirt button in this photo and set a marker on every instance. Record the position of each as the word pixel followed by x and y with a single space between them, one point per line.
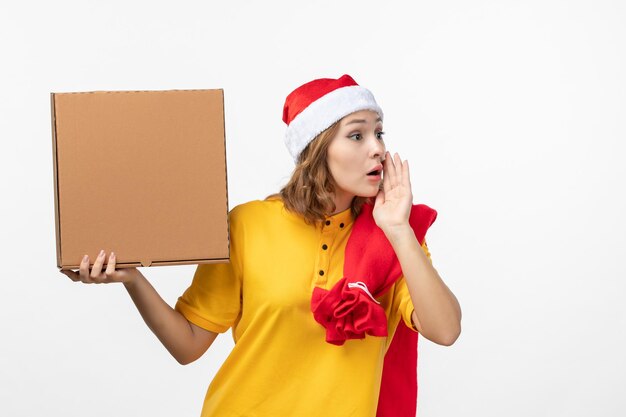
pixel 324 246
pixel 321 272
pixel 327 222
pixel 341 225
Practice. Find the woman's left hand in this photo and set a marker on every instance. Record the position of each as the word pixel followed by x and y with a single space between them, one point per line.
pixel 393 203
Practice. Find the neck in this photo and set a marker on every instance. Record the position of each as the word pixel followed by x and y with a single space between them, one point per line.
pixel 342 202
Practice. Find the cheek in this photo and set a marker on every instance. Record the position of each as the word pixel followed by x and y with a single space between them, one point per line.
pixel 336 159
pixel 345 174
pixel 337 170
pixel 343 163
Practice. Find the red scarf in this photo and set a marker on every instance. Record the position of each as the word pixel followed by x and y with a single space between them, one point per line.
pixel 348 311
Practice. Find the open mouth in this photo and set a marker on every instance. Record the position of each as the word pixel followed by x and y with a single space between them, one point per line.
pixel 374 173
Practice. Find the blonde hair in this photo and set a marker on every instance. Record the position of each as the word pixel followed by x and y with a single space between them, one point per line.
pixel 309 192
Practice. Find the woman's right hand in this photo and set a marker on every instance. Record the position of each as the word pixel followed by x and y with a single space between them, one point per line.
pixel 97 276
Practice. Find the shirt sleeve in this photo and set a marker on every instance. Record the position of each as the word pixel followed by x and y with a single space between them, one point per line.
pixel 213 301
pixel 402 298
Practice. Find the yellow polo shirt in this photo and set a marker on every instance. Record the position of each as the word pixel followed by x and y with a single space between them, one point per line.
pixel 281 364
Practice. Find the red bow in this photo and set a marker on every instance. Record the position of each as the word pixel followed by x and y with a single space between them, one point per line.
pixel 349 310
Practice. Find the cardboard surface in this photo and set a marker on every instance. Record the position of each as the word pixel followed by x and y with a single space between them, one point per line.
pixel 140 173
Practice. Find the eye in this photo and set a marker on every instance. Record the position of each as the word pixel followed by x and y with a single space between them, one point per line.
pixel 355 136
pixel 379 135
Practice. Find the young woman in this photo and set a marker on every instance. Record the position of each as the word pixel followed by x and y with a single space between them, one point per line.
pixel 285 293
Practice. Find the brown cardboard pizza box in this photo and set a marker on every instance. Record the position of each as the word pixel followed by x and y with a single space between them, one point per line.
pixel 142 174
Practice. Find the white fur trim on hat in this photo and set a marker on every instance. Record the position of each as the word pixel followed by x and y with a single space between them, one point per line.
pixel 325 111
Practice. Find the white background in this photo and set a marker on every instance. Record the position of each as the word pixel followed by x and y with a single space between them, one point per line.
pixel 511 114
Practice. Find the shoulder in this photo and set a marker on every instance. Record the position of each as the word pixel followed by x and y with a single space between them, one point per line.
pixel 266 216
pixel 256 208
pixel 423 213
pixel 420 219
pixel 256 212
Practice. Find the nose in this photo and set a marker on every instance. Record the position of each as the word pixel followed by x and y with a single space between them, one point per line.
pixel 377 148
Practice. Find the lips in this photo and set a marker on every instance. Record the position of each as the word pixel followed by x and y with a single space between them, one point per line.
pixel 375 171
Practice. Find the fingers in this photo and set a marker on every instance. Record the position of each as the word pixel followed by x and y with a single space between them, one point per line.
pixel 397 165
pixel 96 269
pixel 91 275
pixel 110 266
pixel 406 177
pixel 83 270
pixel 94 275
pixel 394 171
pixel 387 174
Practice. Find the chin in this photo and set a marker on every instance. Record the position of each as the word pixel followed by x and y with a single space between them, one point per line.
pixel 368 193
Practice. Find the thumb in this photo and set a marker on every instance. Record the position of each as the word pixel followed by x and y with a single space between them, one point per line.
pixel 380 198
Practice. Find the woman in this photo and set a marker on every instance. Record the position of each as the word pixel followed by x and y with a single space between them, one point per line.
pixel 288 255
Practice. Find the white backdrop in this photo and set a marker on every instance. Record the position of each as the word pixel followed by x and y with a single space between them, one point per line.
pixel 511 114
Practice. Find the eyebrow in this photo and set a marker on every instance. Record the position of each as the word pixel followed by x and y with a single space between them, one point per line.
pixel 362 121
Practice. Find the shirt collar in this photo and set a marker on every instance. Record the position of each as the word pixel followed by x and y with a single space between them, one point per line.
pixel 339 220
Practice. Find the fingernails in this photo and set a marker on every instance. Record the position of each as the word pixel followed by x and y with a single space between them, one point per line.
pixel 112 255
pixel 85 258
pixel 101 252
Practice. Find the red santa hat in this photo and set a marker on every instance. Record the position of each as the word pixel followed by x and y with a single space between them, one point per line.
pixel 315 106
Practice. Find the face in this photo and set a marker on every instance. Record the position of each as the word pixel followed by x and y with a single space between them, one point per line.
pixel 355 157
